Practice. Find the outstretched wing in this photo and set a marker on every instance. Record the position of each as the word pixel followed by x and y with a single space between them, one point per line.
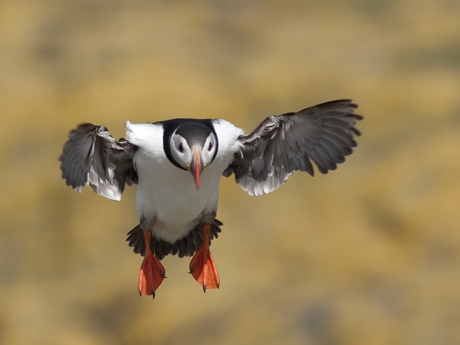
pixel 282 144
pixel 92 156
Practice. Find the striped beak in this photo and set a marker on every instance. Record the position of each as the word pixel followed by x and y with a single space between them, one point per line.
pixel 196 165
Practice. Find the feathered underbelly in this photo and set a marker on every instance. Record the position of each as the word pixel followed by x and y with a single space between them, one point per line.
pixel 173 205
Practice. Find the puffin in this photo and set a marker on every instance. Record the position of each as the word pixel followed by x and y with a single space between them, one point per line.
pixel 177 165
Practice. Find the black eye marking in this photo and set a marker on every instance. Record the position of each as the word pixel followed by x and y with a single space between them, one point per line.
pixel 180 148
pixel 210 147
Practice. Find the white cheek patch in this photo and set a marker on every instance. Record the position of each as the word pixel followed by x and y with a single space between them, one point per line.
pixel 209 149
pixel 180 151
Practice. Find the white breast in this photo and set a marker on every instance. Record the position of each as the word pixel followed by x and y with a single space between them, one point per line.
pixel 168 195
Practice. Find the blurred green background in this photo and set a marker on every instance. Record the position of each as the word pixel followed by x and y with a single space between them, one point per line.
pixel 368 254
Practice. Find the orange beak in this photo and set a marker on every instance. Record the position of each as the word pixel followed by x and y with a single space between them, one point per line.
pixel 196 166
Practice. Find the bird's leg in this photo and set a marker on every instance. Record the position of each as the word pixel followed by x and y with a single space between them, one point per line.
pixel 152 272
pixel 202 266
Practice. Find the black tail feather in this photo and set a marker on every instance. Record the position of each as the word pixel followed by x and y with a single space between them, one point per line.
pixel 185 246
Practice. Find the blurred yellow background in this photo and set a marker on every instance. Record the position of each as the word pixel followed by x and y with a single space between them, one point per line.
pixel 368 254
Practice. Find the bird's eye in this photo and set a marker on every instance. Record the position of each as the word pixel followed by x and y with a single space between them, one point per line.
pixel 210 147
pixel 180 148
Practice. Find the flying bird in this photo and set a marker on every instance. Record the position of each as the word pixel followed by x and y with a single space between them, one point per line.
pixel 177 165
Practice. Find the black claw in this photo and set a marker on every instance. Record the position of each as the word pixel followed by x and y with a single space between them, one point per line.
pixel 153 293
pixel 204 288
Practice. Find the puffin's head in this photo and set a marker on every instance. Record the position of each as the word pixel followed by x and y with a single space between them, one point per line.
pixel 193 146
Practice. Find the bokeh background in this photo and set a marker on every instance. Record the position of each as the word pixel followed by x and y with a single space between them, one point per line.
pixel 367 254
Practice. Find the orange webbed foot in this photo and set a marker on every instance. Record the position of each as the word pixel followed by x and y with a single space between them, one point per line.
pixel 152 272
pixel 202 265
